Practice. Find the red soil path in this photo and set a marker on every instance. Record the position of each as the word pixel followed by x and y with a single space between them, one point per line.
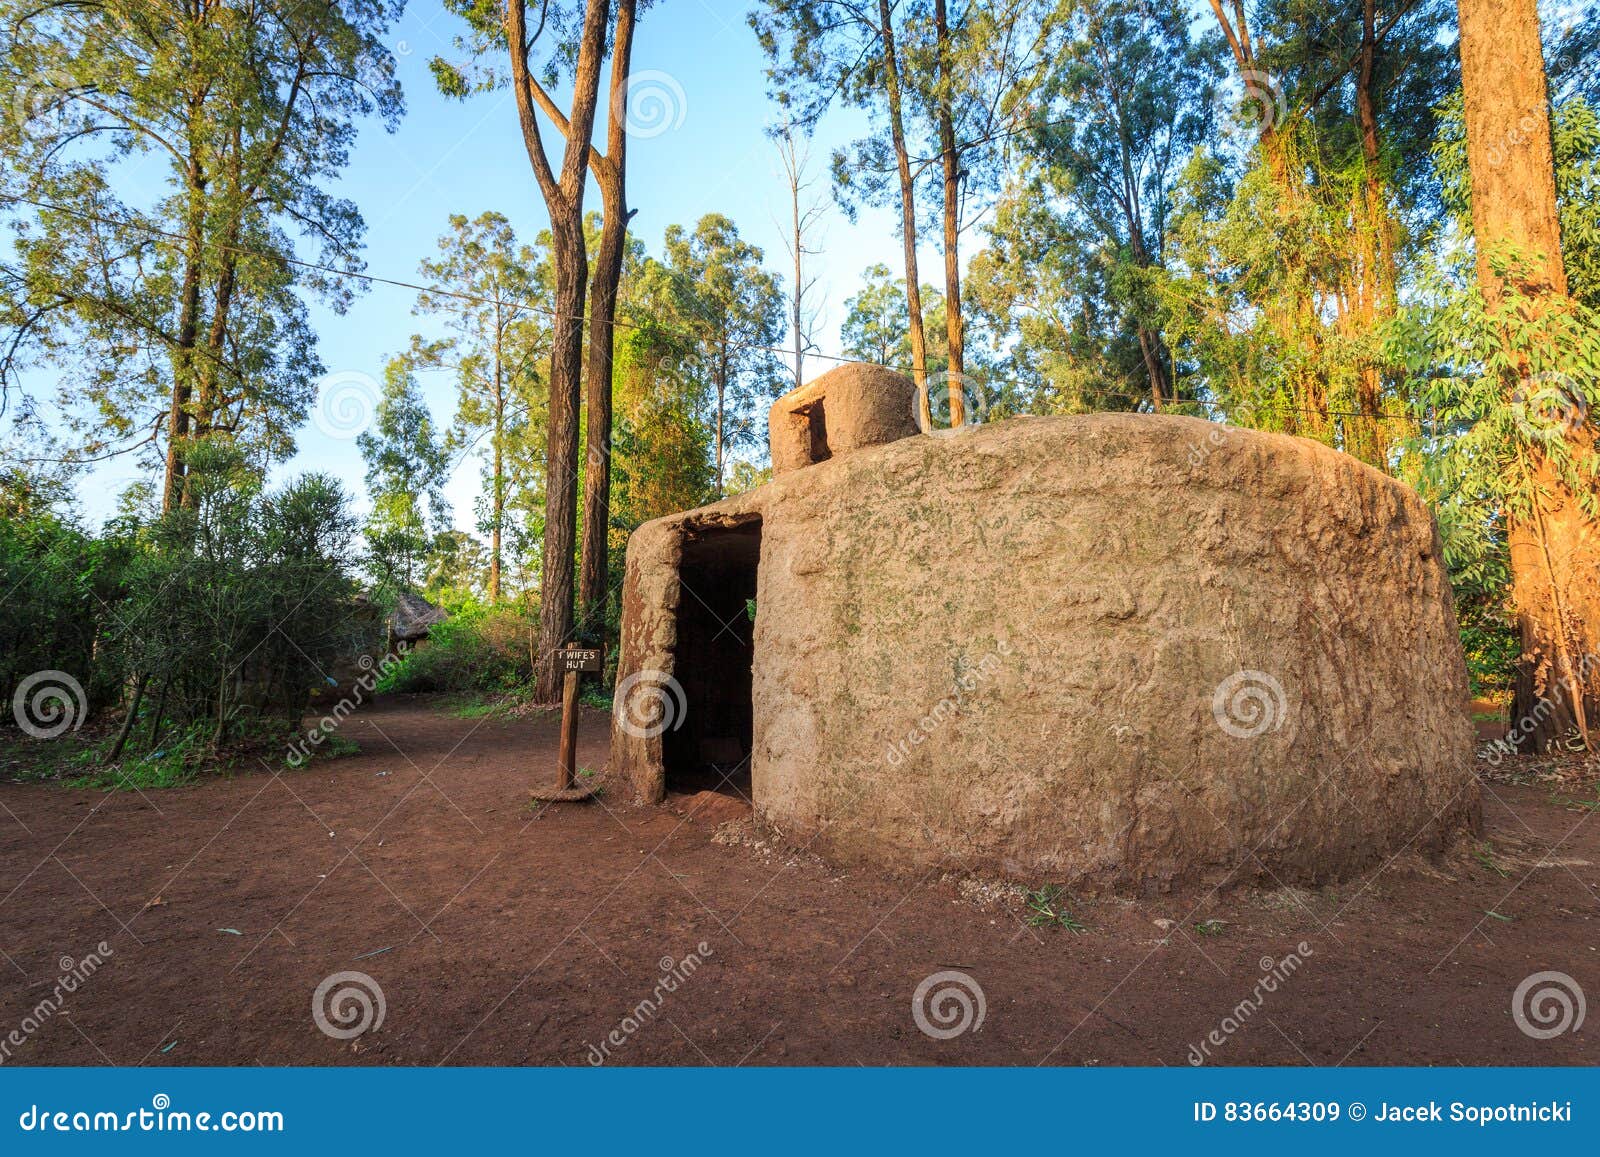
pixel 500 935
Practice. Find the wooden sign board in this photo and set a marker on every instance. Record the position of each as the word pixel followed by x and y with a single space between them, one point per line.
pixel 582 659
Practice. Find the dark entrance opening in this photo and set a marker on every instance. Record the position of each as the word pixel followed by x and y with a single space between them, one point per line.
pixel 712 660
pixel 817 448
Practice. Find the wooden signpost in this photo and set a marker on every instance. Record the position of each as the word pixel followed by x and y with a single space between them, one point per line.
pixel 574 661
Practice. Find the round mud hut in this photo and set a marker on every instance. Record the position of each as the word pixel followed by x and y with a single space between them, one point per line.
pixel 1122 651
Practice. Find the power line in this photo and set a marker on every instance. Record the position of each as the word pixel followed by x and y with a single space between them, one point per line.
pixel 556 316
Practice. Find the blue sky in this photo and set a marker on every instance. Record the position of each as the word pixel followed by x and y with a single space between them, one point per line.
pixel 467 157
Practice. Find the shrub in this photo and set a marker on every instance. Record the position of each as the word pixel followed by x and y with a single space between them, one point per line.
pixel 477 649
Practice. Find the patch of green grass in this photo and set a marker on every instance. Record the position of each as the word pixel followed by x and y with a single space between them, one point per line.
pixel 1485 856
pixel 1584 805
pixel 482 706
pixel 1209 927
pixel 1045 909
pixel 174 764
pixel 596 695
pixel 27 760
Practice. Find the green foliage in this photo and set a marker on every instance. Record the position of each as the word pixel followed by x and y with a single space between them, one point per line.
pixel 713 283
pixel 406 468
pixel 478 649
pixel 192 293
pixel 877 325
pixel 243 603
pixel 1046 909
pixel 59 583
pixel 496 297
pixel 213 623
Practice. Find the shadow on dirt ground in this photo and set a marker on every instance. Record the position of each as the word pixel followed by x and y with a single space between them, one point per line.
pixel 500 934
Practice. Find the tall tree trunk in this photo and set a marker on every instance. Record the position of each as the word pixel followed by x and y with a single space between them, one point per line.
pixel 954 332
pixel 563 196
pixel 1378 273
pixel 178 414
pixel 611 174
pixel 561 454
pixel 497 514
pixel 1555 550
pixel 722 393
pixel 908 212
pixel 799 269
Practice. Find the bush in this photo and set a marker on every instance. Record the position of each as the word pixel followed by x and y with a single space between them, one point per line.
pixel 477 649
pixel 242 603
pixel 209 626
pixel 60 585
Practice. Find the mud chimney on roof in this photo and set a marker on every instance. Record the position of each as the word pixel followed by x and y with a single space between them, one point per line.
pixel 846 409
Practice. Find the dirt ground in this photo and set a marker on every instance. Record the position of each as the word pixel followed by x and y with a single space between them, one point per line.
pixel 503 935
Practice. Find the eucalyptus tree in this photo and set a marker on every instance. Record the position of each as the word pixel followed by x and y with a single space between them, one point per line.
pixel 876 328
pixel 173 309
pixel 945 88
pixel 407 464
pixel 1333 196
pixel 822 50
pixel 563 42
pixel 1114 120
pixel 734 309
pixel 488 287
pixel 1535 351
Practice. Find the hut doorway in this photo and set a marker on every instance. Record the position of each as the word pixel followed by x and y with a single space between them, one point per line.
pixel 713 658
